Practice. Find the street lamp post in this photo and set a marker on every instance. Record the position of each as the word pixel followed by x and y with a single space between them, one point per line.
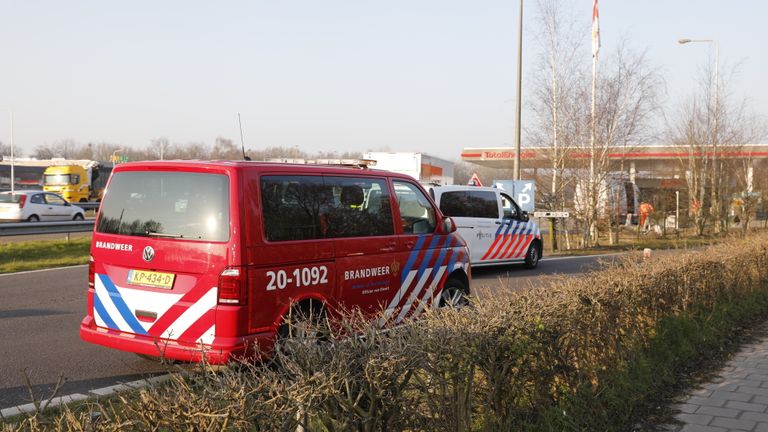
pixel 518 100
pixel 13 161
pixel 715 178
pixel 114 162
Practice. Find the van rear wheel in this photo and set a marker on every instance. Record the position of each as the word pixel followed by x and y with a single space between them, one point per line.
pixel 454 294
pixel 305 324
pixel 33 218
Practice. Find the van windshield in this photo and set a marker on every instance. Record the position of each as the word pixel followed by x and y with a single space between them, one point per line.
pixel 178 205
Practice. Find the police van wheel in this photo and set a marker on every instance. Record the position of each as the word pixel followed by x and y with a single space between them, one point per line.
pixel 454 294
pixel 33 218
pixel 532 256
pixel 78 217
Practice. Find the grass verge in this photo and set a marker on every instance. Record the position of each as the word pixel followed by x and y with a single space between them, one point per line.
pixel 34 255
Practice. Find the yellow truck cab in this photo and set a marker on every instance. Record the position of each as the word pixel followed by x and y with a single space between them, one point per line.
pixel 73 182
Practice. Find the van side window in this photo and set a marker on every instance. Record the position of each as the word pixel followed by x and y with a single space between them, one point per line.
pixel 292 206
pixel 315 207
pixel 360 208
pixel 478 204
pixel 510 208
pixel 417 215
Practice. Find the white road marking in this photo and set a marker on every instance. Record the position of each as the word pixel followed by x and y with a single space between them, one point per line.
pixel 42 270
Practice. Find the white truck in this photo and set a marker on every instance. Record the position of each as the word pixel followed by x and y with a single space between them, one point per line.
pixel 421 166
pixel 496 230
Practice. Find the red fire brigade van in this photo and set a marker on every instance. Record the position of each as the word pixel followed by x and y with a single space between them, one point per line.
pixel 209 258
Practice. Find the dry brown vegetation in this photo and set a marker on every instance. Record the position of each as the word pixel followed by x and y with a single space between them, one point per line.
pixel 591 353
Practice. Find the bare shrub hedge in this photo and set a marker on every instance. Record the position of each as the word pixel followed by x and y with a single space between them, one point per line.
pixel 579 354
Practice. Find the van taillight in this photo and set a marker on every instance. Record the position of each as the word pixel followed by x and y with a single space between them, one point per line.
pixel 91 272
pixel 232 286
pixel 22 200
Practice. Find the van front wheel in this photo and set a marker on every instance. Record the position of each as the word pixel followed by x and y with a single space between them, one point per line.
pixel 532 256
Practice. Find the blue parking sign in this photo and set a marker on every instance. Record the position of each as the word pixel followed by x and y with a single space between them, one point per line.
pixel 523 191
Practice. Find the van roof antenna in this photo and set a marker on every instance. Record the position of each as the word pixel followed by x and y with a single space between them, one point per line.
pixel 242 141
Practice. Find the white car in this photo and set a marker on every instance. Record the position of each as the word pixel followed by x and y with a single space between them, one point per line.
pixel 35 205
pixel 496 230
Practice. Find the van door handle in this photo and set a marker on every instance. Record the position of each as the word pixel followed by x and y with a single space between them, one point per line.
pixel 498 222
pixel 390 246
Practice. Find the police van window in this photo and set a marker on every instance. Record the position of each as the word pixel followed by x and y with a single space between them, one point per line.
pixel 510 208
pixel 478 204
pixel 417 215
pixel 360 208
pixel 172 205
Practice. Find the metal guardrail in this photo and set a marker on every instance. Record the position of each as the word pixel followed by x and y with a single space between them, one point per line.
pixel 87 205
pixel 32 228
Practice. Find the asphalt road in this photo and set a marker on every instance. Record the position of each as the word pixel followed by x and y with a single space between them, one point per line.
pixel 40 314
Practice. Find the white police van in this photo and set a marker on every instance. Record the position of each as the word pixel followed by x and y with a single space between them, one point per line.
pixel 496 230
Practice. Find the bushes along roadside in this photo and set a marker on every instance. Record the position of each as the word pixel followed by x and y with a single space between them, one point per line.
pixel 598 352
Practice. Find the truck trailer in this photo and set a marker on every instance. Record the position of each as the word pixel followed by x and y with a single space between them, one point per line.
pixel 421 166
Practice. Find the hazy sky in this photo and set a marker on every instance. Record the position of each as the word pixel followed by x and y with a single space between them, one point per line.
pixel 417 75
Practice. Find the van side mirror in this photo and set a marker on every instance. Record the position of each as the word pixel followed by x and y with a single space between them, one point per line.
pixel 447 226
pixel 524 216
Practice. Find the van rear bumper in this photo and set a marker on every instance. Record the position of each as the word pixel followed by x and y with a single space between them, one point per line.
pixel 221 351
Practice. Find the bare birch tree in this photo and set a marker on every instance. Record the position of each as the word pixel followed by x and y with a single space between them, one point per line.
pixel 554 98
pixel 627 102
pixel 702 127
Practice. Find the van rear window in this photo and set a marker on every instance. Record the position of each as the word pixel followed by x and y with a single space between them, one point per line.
pixel 478 204
pixel 178 205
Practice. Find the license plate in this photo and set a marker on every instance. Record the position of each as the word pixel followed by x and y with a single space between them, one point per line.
pixel 149 278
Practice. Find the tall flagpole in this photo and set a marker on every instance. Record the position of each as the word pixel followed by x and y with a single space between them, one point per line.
pixel 592 192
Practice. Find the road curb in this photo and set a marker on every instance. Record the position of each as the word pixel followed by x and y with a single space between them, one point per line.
pixel 75 397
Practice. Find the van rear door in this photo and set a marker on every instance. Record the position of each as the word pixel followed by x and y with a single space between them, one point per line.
pixel 478 219
pixel 162 238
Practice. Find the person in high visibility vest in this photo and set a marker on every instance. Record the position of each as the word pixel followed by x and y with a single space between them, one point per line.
pixel 646 210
